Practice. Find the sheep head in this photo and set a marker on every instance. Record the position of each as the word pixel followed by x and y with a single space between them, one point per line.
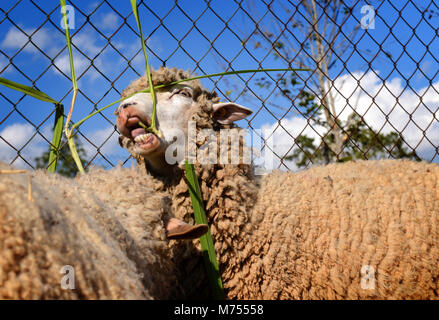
pixel 176 106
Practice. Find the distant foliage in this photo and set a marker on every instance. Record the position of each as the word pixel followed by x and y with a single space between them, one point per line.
pixel 321 51
pixel 66 165
pixel 360 142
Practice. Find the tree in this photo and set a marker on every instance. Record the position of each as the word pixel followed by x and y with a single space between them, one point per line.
pixel 322 32
pixel 66 165
pixel 363 143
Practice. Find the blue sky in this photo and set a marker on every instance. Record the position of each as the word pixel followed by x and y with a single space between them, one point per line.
pixel 175 41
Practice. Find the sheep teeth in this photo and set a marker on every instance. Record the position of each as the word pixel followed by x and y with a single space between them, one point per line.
pixel 142 137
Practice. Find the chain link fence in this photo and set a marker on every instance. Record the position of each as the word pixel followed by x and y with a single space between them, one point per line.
pixel 372 90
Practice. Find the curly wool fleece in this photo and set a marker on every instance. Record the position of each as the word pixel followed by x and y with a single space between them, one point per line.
pixel 322 231
pixel 303 235
pixel 107 225
pixel 312 234
pixel 315 234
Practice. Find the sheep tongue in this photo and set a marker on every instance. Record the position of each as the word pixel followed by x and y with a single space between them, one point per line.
pixel 137 132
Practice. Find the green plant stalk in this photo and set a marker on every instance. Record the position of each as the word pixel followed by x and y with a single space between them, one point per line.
pixel 143 126
pixel 59 117
pixel 69 46
pixel 153 127
pixel 209 256
pixel 72 67
pixel 76 125
pixel 68 132
pixel 200 215
pixel 75 155
pixel 69 135
pixel 56 139
pixel 27 90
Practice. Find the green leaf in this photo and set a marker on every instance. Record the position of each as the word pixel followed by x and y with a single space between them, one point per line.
pixel 207 246
pixel 56 139
pixel 27 90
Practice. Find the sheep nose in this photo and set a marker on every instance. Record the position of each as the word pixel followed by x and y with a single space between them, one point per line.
pixel 124 106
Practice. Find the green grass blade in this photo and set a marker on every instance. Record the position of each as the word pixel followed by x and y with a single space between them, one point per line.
pixel 69 132
pixel 77 124
pixel 27 90
pixel 68 42
pixel 75 155
pixel 59 117
pixel 56 139
pixel 153 127
pixel 230 73
pixel 207 246
pixel 180 81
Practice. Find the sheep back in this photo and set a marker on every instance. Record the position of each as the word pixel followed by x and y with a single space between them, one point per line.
pixel 106 224
pixel 323 230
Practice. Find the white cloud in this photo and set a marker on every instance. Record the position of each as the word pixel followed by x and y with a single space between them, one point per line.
pixel 98 137
pixel 63 63
pixel 111 150
pixel 109 21
pixel 15 39
pixel 426 66
pixel 129 49
pixel 367 95
pixel 87 43
pixel 280 139
pixel 80 63
pixel 51 44
pixel 376 100
pixel 92 6
pixel 17 135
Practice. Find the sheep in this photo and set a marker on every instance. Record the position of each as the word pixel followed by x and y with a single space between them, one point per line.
pixel 360 230
pixel 107 225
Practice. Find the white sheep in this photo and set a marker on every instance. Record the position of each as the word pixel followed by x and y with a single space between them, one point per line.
pixel 346 231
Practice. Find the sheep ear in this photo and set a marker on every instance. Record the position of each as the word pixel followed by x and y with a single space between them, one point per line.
pixel 229 112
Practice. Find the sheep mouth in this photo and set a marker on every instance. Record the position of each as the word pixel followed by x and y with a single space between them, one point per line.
pixel 146 141
pixel 129 122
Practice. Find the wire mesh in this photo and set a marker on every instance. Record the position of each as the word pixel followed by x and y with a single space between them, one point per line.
pixel 372 91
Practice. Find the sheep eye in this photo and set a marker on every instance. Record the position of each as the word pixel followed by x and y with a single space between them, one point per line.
pixel 185 93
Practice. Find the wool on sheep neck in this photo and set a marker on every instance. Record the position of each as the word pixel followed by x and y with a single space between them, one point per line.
pixel 229 190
